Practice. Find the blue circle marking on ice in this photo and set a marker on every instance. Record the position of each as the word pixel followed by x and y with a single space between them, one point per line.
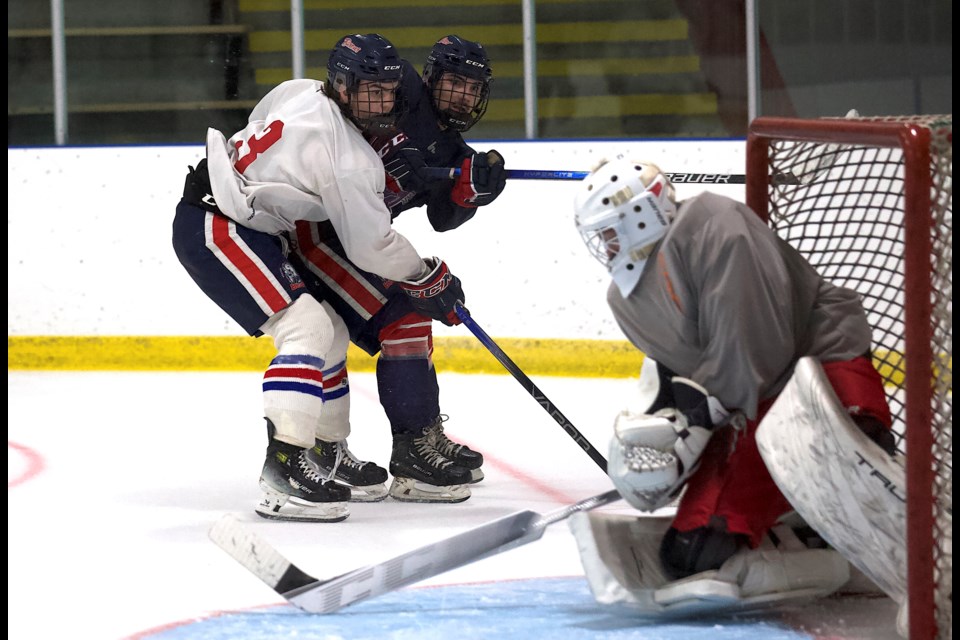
pixel 554 608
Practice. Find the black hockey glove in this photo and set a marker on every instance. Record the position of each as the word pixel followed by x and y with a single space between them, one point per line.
pixel 407 170
pixel 196 188
pixel 482 178
pixel 436 294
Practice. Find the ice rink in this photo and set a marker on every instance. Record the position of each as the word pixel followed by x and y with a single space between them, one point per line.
pixel 115 478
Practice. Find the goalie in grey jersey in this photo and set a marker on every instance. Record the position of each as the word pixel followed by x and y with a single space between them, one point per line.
pixel 723 309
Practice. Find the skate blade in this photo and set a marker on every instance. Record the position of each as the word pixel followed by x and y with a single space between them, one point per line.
pixel 370 493
pixel 410 490
pixel 476 475
pixel 279 506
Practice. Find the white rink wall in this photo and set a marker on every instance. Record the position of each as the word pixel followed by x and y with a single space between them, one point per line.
pixel 89 250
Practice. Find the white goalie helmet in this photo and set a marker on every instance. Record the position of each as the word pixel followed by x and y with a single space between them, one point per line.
pixel 621 210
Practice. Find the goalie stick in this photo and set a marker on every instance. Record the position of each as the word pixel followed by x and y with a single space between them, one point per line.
pixel 531 388
pixel 328 596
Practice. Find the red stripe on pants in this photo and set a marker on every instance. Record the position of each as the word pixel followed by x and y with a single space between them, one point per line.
pixel 350 284
pixel 250 270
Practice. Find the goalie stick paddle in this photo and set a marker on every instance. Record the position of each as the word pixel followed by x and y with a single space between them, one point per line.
pixel 528 384
pixel 328 596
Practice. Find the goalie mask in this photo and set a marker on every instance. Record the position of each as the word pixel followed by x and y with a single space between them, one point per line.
pixel 367 67
pixel 622 210
pixel 458 75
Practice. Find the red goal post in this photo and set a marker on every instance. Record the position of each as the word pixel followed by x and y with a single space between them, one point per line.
pixel 869 202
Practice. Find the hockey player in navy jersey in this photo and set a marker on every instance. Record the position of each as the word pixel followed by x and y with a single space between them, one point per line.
pixel 449 98
pixel 302 157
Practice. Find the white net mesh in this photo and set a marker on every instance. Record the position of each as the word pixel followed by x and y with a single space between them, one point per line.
pixel 842 204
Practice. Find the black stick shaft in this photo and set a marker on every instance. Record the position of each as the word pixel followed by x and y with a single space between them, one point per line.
pixel 545 174
pixel 531 388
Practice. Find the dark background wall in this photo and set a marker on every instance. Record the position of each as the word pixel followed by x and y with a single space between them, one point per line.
pixel 164 72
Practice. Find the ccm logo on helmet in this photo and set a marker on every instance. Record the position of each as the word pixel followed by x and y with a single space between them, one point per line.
pixel 474 63
pixel 391 67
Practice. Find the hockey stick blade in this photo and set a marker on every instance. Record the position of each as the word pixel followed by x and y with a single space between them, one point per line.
pixel 328 596
pixel 543 174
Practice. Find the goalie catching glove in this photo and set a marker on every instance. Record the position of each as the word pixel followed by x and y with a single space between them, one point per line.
pixel 437 293
pixel 651 456
pixel 482 178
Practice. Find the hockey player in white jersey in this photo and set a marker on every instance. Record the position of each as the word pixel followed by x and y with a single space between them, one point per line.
pixel 448 99
pixel 723 309
pixel 302 156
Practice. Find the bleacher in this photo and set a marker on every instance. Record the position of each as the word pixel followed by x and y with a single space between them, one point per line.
pixel 162 73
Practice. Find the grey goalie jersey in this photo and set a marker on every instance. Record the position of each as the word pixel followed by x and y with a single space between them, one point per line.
pixel 725 302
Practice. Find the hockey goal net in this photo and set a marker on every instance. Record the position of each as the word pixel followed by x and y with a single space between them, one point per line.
pixel 869 202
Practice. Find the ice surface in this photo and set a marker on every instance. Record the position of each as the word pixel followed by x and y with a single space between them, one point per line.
pixel 114 479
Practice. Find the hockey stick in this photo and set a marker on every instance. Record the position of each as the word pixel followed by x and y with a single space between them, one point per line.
pixel 327 596
pixel 531 388
pixel 539 174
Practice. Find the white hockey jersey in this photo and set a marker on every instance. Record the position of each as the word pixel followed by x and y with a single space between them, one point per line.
pixel 299 158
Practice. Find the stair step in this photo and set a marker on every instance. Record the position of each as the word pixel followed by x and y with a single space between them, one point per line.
pixel 489 35
pixel 606 106
pixel 545 68
pixel 283 6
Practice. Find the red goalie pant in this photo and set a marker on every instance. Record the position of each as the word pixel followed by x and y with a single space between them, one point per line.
pixel 733 486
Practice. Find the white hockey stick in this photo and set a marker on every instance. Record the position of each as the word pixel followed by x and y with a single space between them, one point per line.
pixel 327 596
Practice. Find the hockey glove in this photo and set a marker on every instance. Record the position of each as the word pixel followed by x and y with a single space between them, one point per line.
pixel 406 170
pixel 652 456
pixel 482 178
pixel 196 188
pixel 436 294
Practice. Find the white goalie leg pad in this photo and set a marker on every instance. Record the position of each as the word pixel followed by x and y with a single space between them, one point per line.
pixel 787 567
pixel 620 557
pixel 841 482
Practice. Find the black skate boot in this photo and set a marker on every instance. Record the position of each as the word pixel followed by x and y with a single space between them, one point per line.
pixel 459 453
pixel 334 460
pixel 292 488
pixel 423 474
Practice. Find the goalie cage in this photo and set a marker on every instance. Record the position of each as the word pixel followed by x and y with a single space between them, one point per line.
pixel 872 210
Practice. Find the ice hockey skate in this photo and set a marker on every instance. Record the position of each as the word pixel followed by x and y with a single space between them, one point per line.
pixel 422 474
pixel 459 453
pixel 294 490
pixel 335 461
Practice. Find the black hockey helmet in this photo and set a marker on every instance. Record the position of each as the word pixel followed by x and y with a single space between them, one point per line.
pixel 452 54
pixel 360 57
